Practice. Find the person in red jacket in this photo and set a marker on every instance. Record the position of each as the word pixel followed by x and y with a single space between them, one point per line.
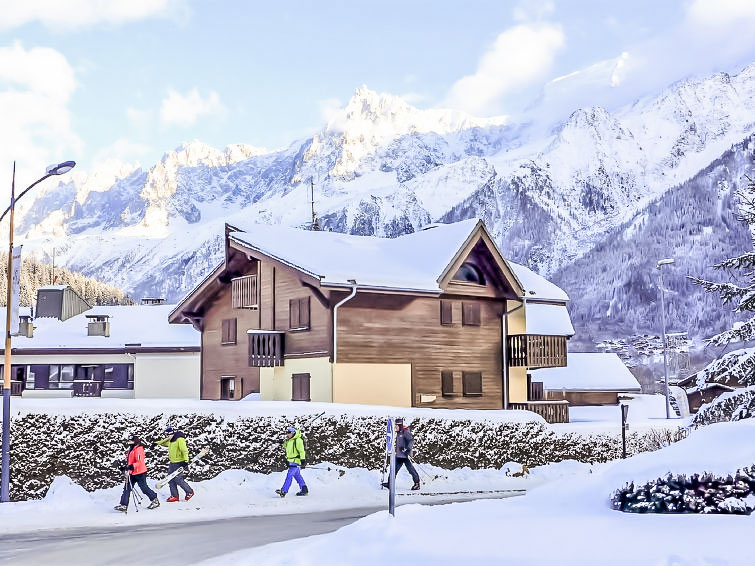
pixel 136 472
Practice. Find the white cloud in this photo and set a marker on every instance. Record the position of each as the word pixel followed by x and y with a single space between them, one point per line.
pixel 533 10
pixel 121 150
pixel 519 57
pixel 329 108
pixel 184 110
pixel 35 122
pixel 73 14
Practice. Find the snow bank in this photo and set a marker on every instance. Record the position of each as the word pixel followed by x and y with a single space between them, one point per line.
pixel 573 515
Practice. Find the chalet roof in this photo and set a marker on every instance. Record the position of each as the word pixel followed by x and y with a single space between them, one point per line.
pixel 144 325
pixel 412 262
pixel 588 372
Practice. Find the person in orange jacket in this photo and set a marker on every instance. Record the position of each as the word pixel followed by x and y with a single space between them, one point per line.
pixel 136 472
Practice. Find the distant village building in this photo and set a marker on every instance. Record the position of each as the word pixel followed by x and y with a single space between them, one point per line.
pixel 66 348
pixel 437 318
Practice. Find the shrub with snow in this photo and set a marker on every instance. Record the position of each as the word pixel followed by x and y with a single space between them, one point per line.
pixel 690 494
pixel 88 448
pixel 732 406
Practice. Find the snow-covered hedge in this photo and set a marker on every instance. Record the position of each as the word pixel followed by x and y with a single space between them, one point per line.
pixel 694 494
pixel 89 447
pixel 733 406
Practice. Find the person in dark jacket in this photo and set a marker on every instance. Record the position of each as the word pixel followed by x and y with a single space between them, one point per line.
pixel 178 454
pixel 136 473
pixel 404 442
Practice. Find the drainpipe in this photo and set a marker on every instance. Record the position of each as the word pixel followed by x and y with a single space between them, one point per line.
pixel 505 353
pixel 335 318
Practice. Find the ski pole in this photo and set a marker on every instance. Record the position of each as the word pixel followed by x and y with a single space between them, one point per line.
pixel 421 469
pixel 133 493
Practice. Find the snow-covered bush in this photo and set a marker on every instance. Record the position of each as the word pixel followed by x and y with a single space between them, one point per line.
pixel 733 406
pixel 89 447
pixel 694 494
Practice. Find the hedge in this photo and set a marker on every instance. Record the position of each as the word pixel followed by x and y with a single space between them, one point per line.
pixel 89 447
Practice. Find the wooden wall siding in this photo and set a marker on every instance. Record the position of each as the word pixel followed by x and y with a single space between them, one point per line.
pixel 300 342
pixel 401 329
pixel 580 398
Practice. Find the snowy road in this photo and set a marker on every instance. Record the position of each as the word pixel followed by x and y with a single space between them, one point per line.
pixel 182 543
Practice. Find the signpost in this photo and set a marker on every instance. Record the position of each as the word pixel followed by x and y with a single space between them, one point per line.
pixel 624 427
pixel 390 439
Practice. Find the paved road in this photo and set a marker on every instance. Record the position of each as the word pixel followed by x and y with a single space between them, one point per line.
pixel 175 544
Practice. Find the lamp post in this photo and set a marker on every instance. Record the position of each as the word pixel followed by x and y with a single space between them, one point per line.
pixel 624 427
pixel 659 265
pixel 57 169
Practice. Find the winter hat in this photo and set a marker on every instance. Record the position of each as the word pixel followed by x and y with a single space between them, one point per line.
pixel 169 429
pixel 399 421
pixel 291 429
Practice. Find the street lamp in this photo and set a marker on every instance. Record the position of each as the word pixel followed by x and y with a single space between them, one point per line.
pixel 56 169
pixel 659 265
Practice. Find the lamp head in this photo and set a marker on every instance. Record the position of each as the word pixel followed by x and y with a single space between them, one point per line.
pixel 60 168
pixel 662 262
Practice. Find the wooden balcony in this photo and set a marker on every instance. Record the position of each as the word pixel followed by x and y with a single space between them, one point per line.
pixel 265 348
pixel 537 351
pixel 551 411
pixel 244 292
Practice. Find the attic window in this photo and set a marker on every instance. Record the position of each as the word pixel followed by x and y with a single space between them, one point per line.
pixel 470 273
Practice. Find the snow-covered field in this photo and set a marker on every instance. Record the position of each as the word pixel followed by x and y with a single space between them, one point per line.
pixel 567 521
pixel 236 493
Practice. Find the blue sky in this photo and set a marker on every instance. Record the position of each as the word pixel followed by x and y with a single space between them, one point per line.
pixel 93 80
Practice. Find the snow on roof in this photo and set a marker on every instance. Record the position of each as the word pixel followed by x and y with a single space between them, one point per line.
pixel 144 325
pixel 536 286
pixel 588 372
pixel 53 287
pixel 411 262
pixel 547 318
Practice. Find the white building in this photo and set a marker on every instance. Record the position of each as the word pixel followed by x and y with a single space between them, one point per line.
pixel 66 348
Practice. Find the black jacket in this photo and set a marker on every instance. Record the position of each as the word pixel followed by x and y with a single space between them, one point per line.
pixel 404 442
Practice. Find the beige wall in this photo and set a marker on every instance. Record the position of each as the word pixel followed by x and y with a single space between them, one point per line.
pixel 167 375
pixel 517 384
pixel 275 383
pixel 516 320
pixel 373 384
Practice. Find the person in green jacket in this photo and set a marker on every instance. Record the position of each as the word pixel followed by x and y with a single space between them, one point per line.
pixel 178 453
pixel 297 459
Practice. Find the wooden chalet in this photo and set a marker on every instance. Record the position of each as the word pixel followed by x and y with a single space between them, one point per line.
pixel 437 318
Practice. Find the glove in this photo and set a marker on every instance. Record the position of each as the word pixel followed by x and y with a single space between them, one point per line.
pixel 130 467
pixel 303 463
pixel 122 468
pixel 185 466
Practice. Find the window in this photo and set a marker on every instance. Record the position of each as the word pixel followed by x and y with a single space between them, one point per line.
pixel 228 387
pixel 228 331
pixel 446 313
pixel 471 383
pixel 300 387
pixel 447 383
pixel 470 314
pixel 298 314
pixel 470 273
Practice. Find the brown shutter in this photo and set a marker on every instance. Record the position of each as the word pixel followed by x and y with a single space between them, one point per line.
pixel 470 314
pixel 447 382
pixel 300 387
pixel 446 312
pixel 471 383
pixel 228 331
pixel 304 313
pixel 293 313
pixel 232 333
pixel 224 332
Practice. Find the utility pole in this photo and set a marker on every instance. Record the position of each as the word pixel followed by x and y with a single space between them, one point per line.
pixel 659 265
pixel 52 277
pixel 315 224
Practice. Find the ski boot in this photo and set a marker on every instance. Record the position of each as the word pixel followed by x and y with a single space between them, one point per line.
pixel 154 504
pixel 189 496
pixel 304 491
pixel 280 492
pixel 172 499
pixel 415 487
pixel 121 508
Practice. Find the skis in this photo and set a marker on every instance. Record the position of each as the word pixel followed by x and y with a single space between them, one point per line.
pixel 387 455
pixel 163 482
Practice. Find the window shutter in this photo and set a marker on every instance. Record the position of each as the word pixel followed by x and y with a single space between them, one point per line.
pixel 293 313
pixel 471 383
pixel 446 313
pixel 470 314
pixel 232 332
pixel 300 387
pixel 447 382
pixel 228 331
pixel 304 313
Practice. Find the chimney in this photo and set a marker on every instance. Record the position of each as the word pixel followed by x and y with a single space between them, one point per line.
pixel 153 301
pixel 25 326
pixel 99 325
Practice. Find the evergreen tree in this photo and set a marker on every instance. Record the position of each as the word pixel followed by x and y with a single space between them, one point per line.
pixel 738 365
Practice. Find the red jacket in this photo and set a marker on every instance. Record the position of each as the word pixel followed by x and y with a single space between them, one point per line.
pixel 136 459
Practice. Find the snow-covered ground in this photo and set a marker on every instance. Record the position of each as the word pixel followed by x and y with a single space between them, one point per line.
pixel 568 521
pixel 236 493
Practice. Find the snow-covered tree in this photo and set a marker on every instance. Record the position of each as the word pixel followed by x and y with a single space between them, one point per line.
pixel 737 366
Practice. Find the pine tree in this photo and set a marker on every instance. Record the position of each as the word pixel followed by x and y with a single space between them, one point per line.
pixel 738 365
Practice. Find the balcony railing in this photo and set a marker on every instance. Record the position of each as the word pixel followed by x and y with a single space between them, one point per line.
pixel 244 292
pixel 265 348
pixel 537 351
pixel 551 411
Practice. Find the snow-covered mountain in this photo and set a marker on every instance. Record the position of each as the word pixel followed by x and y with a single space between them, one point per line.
pixel 381 166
